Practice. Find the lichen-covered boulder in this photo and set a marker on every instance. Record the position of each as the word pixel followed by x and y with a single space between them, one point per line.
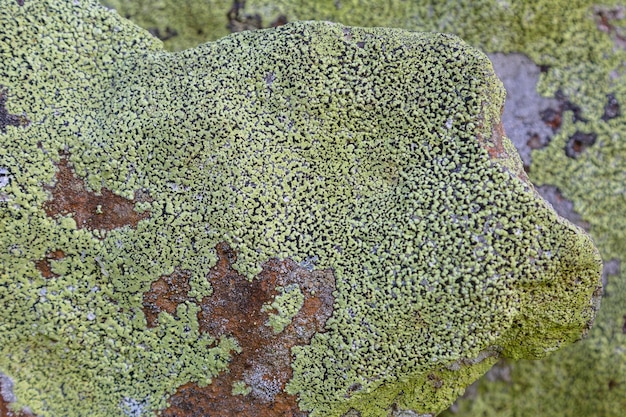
pixel 312 220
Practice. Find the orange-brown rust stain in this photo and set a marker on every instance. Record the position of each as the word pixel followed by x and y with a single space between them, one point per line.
pixel 497 151
pixel 165 294
pixel 264 364
pixel 6 412
pixel 104 211
pixel 45 265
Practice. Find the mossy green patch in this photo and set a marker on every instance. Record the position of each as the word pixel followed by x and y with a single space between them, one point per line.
pixel 586 64
pixel 355 147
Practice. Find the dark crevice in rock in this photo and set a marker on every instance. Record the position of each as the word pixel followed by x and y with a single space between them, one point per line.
pixel 239 21
pixel 566 105
pixel 552 118
pixel 578 142
pixel 611 108
pixel 167 34
pixel 7 119
pixel 604 17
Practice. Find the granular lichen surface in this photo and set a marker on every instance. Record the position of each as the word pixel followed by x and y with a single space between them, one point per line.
pixel 368 152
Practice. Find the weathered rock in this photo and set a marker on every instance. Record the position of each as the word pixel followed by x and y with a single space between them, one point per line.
pixel 327 220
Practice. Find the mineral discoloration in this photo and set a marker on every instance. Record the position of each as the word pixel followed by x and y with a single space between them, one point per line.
pixel 7 397
pixel 166 294
pixel 45 265
pixel 5 411
pixel 263 366
pixel 103 211
pixel 578 142
pixel 523 105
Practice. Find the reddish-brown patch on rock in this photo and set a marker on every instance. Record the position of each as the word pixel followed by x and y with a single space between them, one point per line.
pixel 6 398
pixel 552 117
pixel 45 265
pixel 104 211
pixel 497 151
pixel 236 309
pixel 165 294
pixel 578 142
pixel 6 412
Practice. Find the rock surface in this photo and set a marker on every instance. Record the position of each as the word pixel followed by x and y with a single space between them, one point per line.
pixel 577 49
pixel 315 220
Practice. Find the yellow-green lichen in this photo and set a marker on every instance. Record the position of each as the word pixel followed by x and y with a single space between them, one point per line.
pixel 180 25
pixel 578 42
pixel 285 306
pixel 241 388
pixel 355 147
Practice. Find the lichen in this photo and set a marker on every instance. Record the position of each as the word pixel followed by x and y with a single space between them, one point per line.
pixel 284 307
pixel 179 25
pixel 240 388
pixel 581 48
pixel 357 148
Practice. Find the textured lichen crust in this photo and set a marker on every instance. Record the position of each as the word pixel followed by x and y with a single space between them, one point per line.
pixel 374 153
pixel 582 45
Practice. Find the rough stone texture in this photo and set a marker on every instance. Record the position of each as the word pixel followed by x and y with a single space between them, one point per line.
pixel 375 154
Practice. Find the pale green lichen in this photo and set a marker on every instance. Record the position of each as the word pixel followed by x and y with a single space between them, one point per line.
pixel 585 64
pixel 200 287
pixel 286 305
pixel 241 388
pixel 356 148
pixel 179 24
pixel 584 55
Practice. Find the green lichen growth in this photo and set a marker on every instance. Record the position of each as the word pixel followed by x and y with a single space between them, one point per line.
pixel 286 305
pixel 241 388
pixel 586 64
pixel 200 287
pixel 180 24
pixel 357 147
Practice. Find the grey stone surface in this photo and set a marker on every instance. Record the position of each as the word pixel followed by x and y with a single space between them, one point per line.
pixel 6 389
pixel 522 118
